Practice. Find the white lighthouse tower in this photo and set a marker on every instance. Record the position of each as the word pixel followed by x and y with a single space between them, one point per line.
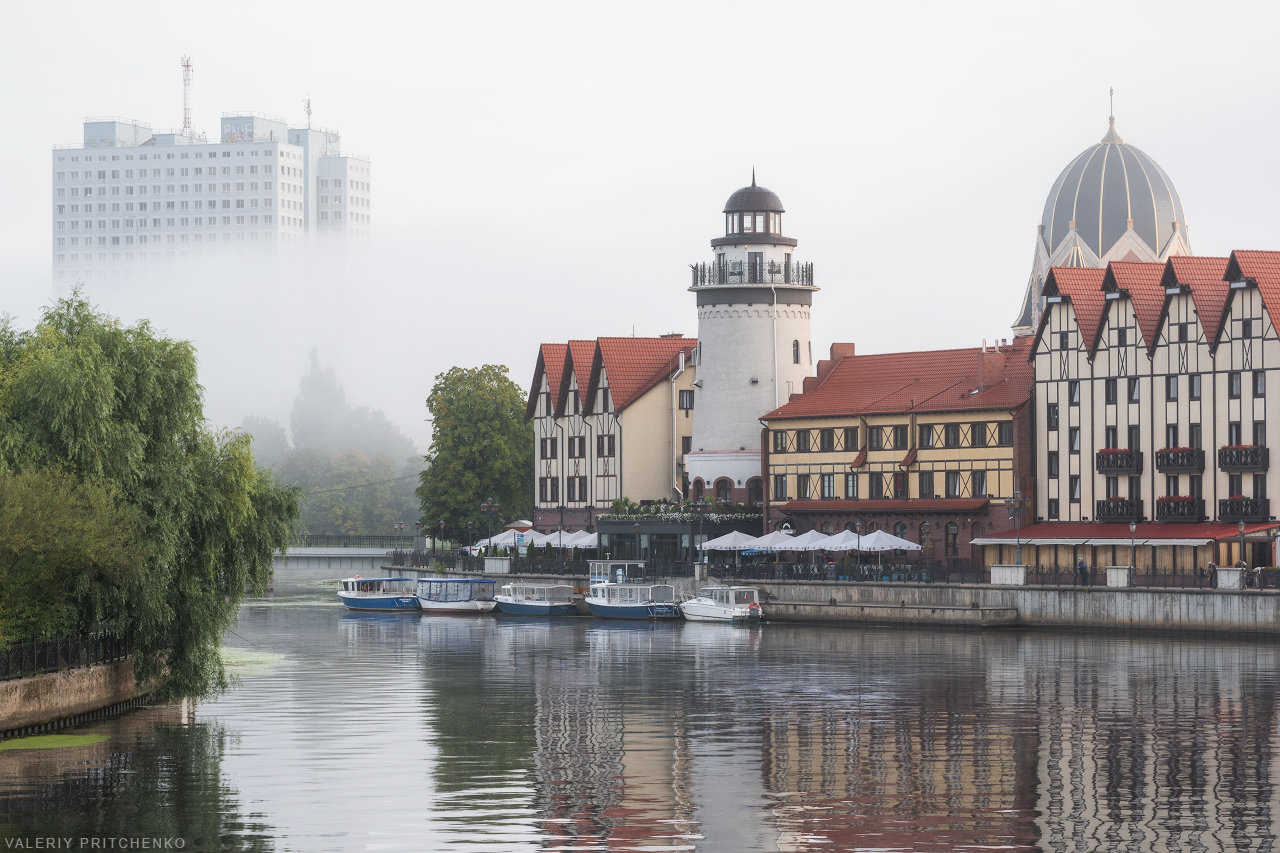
pixel 754 348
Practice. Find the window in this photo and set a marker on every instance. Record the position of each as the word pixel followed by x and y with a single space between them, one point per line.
pixel 851 438
pixel 605 445
pixel 779 441
pixel 1073 392
pixel 875 486
pixel 1135 487
pixel 802 441
pixel 1134 390
pixel 1171 388
pixel 686 444
pixel 952 539
pixel 900 484
pixel 1171 435
pixel 1182 333
pixel 1233 386
pixel 1053 508
pixel 1073 488
pixel 795 352
pixel 548 448
pixel 1193 386
pixel 1051 416
pixel 686 399
pixel 1259 486
pixel 978 482
pixel 1109 389
pixel 577 446
pixel 1073 439
pixel 1122 337
pixel 1246 326
pixel 1171 484
pixel 953 484
pixel 1053 464
pixel 1195 486
pixel 900 438
pixel 951 435
pixel 1111 437
pixel 1260 433
pixel 851 486
pixel 1064 340
pixel 724 491
pixel 1235 485
pixel 802 486
pixel 1135 438
pixel 926 435
pixel 1004 433
pixel 755 491
pixel 1193 435
pixel 875 438
pixel 827 440
pixel 1233 434
pixel 978 435
pixel 779 487
pixel 1113 487
pixel 926 484
pixel 1259 383
pixel 828 486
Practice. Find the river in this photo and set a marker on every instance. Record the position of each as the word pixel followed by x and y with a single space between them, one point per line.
pixel 399 732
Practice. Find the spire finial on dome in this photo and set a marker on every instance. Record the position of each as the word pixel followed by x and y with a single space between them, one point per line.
pixel 1112 136
pixel 753 176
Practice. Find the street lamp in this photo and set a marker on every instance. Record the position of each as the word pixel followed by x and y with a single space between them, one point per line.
pixel 1018 508
pixel 1133 549
pixel 926 542
pixel 639 553
pixel 489 508
pixel 1241 528
pixel 699 507
pixel 471 538
pixel 440 538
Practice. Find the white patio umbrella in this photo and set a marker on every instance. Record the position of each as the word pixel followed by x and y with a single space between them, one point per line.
pixel 583 539
pixel 878 540
pixel 845 540
pixel 778 540
pixel 811 541
pixel 733 541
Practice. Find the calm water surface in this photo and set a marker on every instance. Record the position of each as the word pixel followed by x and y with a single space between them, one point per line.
pixel 372 732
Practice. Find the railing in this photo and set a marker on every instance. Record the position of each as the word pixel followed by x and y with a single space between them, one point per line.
pixel 1243 458
pixel 1118 461
pixel 1118 509
pixel 1244 509
pixel 1180 510
pixel 1148 578
pixel 853 572
pixel 25 659
pixel 747 272
pixel 1180 461
pixel 342 540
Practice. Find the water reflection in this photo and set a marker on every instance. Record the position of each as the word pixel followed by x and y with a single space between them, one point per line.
pixel 392 731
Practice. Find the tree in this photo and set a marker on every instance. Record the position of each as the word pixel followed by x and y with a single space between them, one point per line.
pixel 480 448
pixel 269 443
pixel 120 410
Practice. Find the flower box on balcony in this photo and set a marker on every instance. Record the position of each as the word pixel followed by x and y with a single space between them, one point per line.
pixel 1118 509
pixel 1243 457
pixel 1114 460
pixel 1239 508
pixel 1179 508
pixel 1180 460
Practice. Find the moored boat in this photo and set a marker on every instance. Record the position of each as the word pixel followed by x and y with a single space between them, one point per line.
pixel 378 594
pixel 456 595
pixel 723 604
pixel 610 600
pixel 537 599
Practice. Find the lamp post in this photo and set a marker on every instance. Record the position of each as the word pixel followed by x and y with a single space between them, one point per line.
pixel 471 537
pixel 1133 548
pixel 489 509
pixel 1018 508
pixel 926 542
pixel 1241 560
pixel 440 539
pixel 639 553
pixel 857 528
pixel 699 507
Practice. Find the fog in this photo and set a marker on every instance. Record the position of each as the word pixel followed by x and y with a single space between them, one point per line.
pixel 542 172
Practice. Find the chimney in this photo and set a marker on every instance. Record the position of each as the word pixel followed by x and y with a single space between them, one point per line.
pixel 990 368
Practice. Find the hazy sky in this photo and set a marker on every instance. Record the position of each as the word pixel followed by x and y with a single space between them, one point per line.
pixel 548 171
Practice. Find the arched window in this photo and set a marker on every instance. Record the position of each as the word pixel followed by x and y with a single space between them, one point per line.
pixel 724 491
pixel 826 527
pixel 698 489
pixel 851 526
pixel 900 530
pixel 953 539
pixel 795 352
pixel 977 530
pixel 755 491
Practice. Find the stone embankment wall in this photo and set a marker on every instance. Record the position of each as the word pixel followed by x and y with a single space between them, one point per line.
pixel 41 699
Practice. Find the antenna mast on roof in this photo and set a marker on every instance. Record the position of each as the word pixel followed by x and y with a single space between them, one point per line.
pixel 306 105
pixel 186 94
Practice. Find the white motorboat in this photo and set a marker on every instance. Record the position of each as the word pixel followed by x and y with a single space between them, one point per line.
pixel 723 604
pixel 456 595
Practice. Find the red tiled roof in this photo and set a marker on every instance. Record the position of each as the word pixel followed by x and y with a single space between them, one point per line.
pixel 1262 267
pixel 915 505
pixel 1086 530
pixel 579 364
pixel 931 381
pixel 1083 287
pixel 1142 281
pixel 1203 277
pixel 634 365
pixel 551 364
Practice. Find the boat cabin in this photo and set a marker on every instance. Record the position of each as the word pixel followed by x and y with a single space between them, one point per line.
pixel 629 593
pixel 614 571
pixel 378 586
pixel 731 596
pixel 538 593
pixel 456 589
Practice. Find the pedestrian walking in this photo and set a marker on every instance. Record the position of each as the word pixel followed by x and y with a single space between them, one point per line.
pixel 1082 570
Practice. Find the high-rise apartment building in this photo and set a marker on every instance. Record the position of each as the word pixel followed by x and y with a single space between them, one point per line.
pixel 130 201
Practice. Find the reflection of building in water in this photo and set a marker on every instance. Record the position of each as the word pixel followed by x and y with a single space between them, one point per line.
pixel 1154 746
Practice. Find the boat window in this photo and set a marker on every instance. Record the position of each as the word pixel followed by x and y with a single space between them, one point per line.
pixel 743 596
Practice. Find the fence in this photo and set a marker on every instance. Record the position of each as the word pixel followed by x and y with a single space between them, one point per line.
pixel 853 572
pixel 1150 578
pixel 41 656
pixel 342 540
pixel 653 569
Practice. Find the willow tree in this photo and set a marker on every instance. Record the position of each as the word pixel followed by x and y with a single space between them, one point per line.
pixel 481 448
pixel 117 411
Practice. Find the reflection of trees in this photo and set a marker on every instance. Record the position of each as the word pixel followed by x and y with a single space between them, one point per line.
pixel 158 779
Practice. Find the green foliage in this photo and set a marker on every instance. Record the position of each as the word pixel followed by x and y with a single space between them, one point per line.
pixel 480 448
pixel 119 411
pixel 322 418
pixel 270 445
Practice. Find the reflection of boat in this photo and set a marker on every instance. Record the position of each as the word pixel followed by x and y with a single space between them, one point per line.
pixel 537 599
pixel 456 595
pixel 633 601
pixel 723 604
pixel 378 594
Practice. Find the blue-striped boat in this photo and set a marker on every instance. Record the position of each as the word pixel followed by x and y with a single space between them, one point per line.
pixel 633 601
pixel 378 594
pixel 537 599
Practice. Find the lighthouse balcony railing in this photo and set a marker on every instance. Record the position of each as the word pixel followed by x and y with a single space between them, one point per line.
pixel 751 272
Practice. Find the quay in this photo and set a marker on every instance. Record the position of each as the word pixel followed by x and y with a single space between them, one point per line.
pixel 977 605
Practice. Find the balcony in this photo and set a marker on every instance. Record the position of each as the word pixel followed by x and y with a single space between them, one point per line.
pixel 1116 461
pixel 1243 457
pixel 1118 509
pixel 1180 508
pixel 1244 509
pixel 746 272
pixel 1180 460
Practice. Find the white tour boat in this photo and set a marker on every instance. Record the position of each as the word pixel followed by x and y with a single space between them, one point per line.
pixel 723 604
pixel 456 595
